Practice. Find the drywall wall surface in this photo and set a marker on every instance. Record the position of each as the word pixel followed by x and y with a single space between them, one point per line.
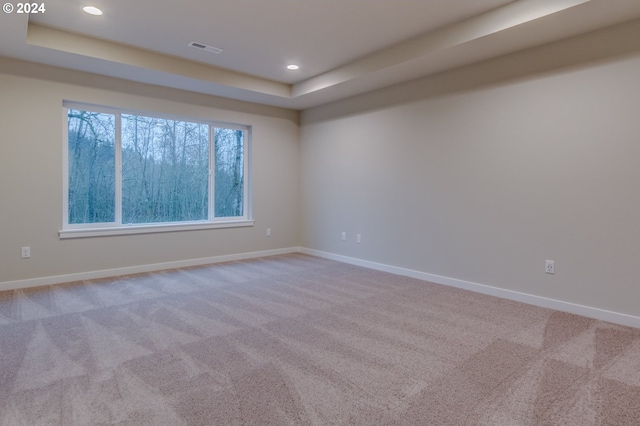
pixel 31 175
pixel 482 179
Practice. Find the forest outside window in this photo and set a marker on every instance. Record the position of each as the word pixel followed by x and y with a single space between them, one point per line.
pixel 137 172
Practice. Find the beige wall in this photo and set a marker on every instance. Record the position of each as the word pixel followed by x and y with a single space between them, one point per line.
pixel 31 152
pixel 483 173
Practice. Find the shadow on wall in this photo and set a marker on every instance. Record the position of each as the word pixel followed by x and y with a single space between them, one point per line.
pixel 113 84
pixel 576 52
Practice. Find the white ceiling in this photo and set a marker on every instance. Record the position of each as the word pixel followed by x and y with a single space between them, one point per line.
pixel 343 47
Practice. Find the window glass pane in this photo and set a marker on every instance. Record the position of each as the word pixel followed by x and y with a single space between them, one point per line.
pixel 165 170
pixel 92 182
pixel 229 172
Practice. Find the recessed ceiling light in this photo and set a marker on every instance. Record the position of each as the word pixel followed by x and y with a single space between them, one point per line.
pixel 292 67
pixel 91 10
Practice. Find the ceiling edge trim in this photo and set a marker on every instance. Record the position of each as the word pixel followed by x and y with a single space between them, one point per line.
pixel 50 38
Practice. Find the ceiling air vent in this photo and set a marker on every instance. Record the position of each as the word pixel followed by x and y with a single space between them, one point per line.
pixel 205 47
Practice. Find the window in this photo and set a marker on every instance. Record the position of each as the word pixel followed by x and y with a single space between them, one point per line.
pixel 131 173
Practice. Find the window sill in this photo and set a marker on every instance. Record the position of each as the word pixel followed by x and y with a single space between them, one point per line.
pixel 149 229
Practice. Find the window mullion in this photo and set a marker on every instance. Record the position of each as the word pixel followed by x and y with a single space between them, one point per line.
pixel 212 154
pixel 246 200
pixel 65 169
pixel 118 161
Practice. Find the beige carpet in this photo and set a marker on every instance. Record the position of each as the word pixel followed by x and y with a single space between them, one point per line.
pixel 301 340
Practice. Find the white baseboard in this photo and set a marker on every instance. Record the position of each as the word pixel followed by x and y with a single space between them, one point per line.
pixel 106 273
pixel 587 311
pixel 559 305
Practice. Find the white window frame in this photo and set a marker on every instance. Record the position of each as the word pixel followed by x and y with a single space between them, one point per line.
pixel 71 230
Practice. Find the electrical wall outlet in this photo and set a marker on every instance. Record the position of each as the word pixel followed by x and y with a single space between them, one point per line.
pixel 268 232
pixel 358 238
pixel 344 236
pixel 26 252
pixel 549 267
